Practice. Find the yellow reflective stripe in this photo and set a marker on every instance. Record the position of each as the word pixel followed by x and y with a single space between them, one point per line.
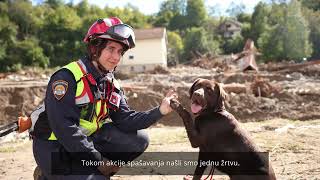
pixel 101 123
pixel 86 126
pixel 77 73
pixel 90 127
pixel 52 137
pixel 80 88
pixel 105 109
pixel 98 107
pixel 75 69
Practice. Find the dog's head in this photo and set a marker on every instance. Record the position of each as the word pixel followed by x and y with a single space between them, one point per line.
pixel 206 95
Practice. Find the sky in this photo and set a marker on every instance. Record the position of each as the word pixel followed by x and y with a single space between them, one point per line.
pixel 152 6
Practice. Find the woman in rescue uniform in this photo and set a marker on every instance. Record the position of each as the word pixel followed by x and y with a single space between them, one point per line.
pixel 85 118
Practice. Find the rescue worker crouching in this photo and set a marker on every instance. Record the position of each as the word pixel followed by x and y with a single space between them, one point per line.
pixel 80 98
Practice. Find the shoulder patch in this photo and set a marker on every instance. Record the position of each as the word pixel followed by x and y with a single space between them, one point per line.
pixel 59 88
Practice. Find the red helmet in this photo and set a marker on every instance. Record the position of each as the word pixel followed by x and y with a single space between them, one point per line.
pixel 112 29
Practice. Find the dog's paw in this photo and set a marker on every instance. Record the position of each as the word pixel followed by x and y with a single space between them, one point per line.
pixel 174 104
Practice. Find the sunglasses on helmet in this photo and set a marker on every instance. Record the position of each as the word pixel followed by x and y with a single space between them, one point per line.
pixel 122 32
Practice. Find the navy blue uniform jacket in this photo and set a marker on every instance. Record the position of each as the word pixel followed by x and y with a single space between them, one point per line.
pixel 63 115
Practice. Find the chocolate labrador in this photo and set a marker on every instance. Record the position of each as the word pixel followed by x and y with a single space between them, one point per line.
pixel 222 143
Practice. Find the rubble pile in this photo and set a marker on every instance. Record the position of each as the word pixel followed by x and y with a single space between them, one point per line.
pixel 219 63
pixel 159 70
pixel 262 87
pixel 252 96
pixel 206 63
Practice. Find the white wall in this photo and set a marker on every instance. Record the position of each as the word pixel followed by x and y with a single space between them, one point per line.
pixel 147 51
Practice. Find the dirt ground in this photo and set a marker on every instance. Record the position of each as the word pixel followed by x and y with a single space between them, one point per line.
pixel 293 148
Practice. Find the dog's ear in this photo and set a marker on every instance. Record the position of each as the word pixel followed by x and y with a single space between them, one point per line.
pixel 221 96
pixel 192 87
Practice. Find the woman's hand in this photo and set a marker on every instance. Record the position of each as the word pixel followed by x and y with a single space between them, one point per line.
pixel 165 104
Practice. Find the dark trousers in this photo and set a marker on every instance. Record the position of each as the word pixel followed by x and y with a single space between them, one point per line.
pixel 111 142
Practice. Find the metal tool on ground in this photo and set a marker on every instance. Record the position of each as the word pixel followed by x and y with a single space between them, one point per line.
pixel 21 125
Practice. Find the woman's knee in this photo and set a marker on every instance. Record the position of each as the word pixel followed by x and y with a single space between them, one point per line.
pixel 112 139
pixel 142 140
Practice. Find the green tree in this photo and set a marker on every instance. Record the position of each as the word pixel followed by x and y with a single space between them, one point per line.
pixel 287 36
pixel 8 33
pixel 54 3
pixel 8 29
pixel 175 6
pixel 233 45
pixel 271 43
pixel 199 42
pixel 83 8
pixel 296 40
pixel 314 20
pixel 136 18
pixel 28 53
pixel 277 14
pixel 22 14
pixel 60 35
pixel 245 20
pixel 130 15
pixel 311 4
pixel 163 19
pixel 259 21
pixel 175 48
pixel 244 17
pixel 196 13
pixel 178 22
pixel 171 15
pixel 246 30
pixel 94 13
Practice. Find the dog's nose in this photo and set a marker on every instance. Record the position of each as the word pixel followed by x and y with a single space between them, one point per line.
pixel 199 92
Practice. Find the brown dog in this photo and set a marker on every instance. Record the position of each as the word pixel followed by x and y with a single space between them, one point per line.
pixel 219 136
